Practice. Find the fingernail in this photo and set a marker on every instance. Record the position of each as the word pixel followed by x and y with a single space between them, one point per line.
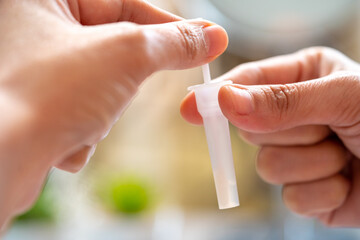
pixel 216 39
pixel 240 99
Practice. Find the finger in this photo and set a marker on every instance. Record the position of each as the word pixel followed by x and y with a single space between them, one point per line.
pixel 348 215
pixel 279 165
pixel 303 135
pixel 322 196
pixel 93 12
pixel 77 161
pixel 188 110
pixel 303 65
pixel 269 108
pixel 281 69
pixel 185 44
pixel 150 48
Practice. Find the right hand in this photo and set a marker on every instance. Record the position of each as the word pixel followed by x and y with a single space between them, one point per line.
pixel 303 110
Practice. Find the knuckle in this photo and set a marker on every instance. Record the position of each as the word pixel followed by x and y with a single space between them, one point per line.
pixel 315 53
pixel 350 78
pixel 282 99
pixel 134 39
pixel 317 50
pixel 130 33
pixel 192 40
pixel 129 47
pixel 135 46
pixel 326 60
pixel 348 84
pixel 320 52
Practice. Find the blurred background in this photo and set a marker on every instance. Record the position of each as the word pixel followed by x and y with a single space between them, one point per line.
pixel 151 177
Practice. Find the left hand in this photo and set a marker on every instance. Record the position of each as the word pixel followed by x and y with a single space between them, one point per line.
pixel 68 69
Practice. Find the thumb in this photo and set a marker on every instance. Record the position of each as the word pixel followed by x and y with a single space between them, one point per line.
pixel 332 100
pixel 184 44
pixel 144 49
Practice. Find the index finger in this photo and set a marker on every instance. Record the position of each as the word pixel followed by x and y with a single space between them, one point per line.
pixel 93 12
pixel 304 65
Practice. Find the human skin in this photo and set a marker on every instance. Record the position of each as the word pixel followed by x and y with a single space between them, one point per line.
pixel 68 69
pixel 303 111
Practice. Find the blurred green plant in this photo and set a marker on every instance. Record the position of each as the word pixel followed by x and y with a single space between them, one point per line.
pixel 128 195
pixel 43 210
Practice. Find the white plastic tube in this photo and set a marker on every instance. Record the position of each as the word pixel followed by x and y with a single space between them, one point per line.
pixel 218 139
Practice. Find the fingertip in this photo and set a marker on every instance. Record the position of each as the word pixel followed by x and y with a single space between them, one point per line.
pixel 77 161
pixel 321 196
pixel 342 189
pixel 217 40
pixel 238 104
pixel 291 196
pixel 227 104
pixel 225 99
pixel 269 165
pixel 188 110
pixel 184 44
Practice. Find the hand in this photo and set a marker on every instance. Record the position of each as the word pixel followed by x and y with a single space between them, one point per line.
pixel 69 69
pixel 303 110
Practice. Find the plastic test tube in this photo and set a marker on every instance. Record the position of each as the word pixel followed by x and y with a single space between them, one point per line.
pixel 218 139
